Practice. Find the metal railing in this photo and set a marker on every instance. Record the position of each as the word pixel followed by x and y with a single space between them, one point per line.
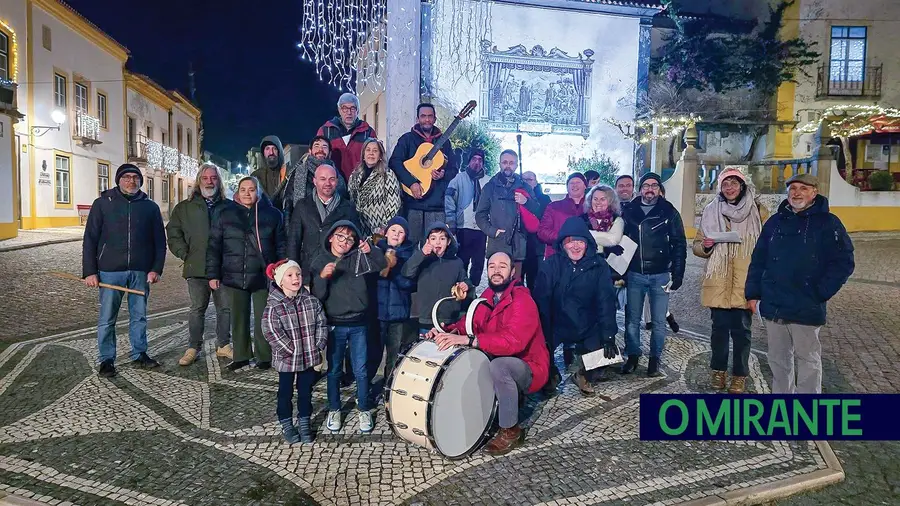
pixel 87 127
pixel 768 176
pixel 869 86
pixel 8 94
pixel 137 148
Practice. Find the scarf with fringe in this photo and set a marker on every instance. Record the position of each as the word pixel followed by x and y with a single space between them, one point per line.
pixel 744 219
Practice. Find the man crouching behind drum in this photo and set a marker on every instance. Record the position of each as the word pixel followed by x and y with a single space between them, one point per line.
pixel 510 332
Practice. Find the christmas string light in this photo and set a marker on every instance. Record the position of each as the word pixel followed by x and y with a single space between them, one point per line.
pixel 849 120
pixel 459 27
pixel 13 53
pixel 188 166
pixel 642 131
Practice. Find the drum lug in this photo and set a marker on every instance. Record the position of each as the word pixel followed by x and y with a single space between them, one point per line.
pixel 417 397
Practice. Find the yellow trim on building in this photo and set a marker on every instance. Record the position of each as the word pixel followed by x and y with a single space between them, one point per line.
pixel 51 222
pixel 186 104
pixel 63 154
pixel 12 50
pixel 9 230
pixel 125 110
pixel 780 142
pixel 69 17
pixel 110 174
pixel 105 99
pixel 869 219
pixel 148 89
pixel 29 65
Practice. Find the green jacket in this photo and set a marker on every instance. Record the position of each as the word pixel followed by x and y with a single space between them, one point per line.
pixel 188 234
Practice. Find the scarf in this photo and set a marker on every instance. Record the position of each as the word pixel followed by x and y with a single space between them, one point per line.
pixel 435 133
pixel 601 221
pixel 302 175
pixel 325 210
pixel 743 218
pixel 476 183
pixel 377 197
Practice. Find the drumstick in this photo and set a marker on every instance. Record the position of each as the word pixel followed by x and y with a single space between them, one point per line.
pixel 73 277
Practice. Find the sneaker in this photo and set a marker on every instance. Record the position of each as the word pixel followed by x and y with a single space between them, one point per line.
pixel 234 366
pixel 366 423
pixel 333 422
pixel 145 361
pixel 672 323
pixel 225 352
pixel 303 427
pixel 107 369
pixel 190 355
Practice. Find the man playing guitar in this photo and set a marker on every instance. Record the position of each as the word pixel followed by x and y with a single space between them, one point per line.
pixel 422 207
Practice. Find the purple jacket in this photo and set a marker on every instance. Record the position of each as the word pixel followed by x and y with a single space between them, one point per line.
pixel 295 328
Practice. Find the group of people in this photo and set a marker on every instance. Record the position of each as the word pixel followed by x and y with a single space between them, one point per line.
pixel 326 254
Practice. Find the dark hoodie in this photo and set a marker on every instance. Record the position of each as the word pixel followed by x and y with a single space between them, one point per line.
pixel 438 275
pixel 270 177
pixel 394 291
pixel 346 295
pixel 433 201
pixel 577 300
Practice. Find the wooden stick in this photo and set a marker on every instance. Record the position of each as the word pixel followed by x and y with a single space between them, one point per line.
pixel 66 275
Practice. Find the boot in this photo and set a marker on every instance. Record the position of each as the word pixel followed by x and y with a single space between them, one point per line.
pixel 225 352
pixel 303 428
pixel 738 384
pixel 630 365
pixel 568 356
pixel 190 355
pixel 718 380
pixel 505 441
pixel 583 384
pixel 289 431
pixel 553 382
pixel 672 323
pixel 653 368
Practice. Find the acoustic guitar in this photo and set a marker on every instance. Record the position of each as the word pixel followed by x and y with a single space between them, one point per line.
pixel 429 156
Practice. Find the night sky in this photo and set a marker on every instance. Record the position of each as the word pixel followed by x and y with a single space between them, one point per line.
pixel 249 78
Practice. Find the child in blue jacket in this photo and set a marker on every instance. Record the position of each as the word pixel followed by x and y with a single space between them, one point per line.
pixel 394 292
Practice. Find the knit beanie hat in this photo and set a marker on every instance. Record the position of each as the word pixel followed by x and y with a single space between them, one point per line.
pixel 276 271
pixel 127 168
pixel 731 171
pixel 648 176
pixel 578 175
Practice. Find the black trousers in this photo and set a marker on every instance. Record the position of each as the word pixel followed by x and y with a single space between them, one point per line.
pixel 734 324
pixel 472 246
pixel 530 269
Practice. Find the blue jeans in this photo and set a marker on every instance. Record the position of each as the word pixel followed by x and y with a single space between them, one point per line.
pixel 110 301
pixel 338 340
pixel 639 286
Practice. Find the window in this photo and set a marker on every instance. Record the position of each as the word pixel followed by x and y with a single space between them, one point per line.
pixel 149 132
pixel 5 71
pixel 150 188
pixel 165 138
pixel 59 91
pixel 46 37
pixel 165 189
pixel 178 134
pixel 81 98
pixel 102 177
pixel 103 116
pixel 848 53
pixel 63 180
pixel 190 143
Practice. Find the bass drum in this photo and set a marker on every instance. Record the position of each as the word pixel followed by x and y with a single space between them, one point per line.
pixel 442 400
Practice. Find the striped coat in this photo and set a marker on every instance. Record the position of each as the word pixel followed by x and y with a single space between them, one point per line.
pixel 295 328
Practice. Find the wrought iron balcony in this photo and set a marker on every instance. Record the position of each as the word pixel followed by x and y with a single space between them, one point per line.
pixel 8 94
pixel 162 157
pixel 137 150
pixel 846 84
pixel 188 166
pixel 87 129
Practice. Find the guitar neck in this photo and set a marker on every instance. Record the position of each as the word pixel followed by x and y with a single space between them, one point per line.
pixel 445 137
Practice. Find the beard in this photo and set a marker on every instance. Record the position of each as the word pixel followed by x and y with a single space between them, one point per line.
pixel 272 161
pixel 208 193
pixel 650 202
pixel 501 286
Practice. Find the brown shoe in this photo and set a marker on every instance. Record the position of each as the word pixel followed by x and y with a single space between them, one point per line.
pixel 718 380
pixel 738 385
pixel 225 352
pixel 505 441
pixel 189 357
pixel 583 384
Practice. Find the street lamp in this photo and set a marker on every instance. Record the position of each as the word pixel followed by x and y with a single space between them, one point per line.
pixel 57 116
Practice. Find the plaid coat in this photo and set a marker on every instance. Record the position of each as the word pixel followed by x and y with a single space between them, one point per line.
pixel 296 329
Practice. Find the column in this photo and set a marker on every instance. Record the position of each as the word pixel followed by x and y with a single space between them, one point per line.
pixel 402 68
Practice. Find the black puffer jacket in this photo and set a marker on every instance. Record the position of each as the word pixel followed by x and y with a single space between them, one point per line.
pixel 659 234
pixel 123 235
pixel 233 255
pixel 577 301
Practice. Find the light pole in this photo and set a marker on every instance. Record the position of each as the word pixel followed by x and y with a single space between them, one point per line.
pixel 57 116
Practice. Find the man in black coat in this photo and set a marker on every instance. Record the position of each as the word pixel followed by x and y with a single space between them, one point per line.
pixel 422 209
pixel 656 269
pixel 534 251
pixel 576 299
pixel 125 245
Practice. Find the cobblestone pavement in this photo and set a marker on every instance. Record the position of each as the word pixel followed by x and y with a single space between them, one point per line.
pixel 31 238
pixel 202 435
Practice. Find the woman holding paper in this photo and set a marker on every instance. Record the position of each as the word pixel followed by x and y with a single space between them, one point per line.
pixel 729 228
pixel 603 212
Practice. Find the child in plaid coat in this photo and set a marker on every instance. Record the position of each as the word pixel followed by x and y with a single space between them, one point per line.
pixel 294 324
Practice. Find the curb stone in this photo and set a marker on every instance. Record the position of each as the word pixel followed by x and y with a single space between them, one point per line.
pixel 39 244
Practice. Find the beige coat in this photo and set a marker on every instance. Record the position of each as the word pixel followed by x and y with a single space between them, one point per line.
pixel 725 292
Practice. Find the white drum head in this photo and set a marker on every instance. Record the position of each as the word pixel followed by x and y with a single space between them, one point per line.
pixel 463 404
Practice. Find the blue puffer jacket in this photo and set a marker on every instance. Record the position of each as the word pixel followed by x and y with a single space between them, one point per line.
pixel 394 291
pixel 800 262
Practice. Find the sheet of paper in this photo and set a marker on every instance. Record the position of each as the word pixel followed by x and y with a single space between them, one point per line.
pixel 720 237
pixel 619 263
pixel 428 350
pixel 596 359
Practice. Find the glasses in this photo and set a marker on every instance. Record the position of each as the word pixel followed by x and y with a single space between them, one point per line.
pixel 131 177
pixel 348 108
pixel 646 186
pixel 343 238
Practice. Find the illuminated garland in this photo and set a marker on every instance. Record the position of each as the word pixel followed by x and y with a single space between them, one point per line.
pixel 850 120
pixel 13 53
pixel 642 131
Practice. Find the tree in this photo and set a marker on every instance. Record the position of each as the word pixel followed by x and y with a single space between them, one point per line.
pixel 470 134
pixel 603 164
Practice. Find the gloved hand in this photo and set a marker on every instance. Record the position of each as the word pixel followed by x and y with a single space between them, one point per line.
pixel 610 349
pixel 676 284
pixel 613 250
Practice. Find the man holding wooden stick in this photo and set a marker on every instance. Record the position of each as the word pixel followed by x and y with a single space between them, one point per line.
pixel 125 245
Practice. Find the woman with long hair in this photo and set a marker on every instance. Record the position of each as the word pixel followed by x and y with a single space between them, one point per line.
pixel 246 236
pixel 374 189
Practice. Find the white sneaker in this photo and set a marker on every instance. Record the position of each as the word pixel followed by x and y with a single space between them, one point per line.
pixel 365 422
pixel 333 422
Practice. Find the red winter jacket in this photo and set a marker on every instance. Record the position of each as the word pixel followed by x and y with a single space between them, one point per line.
pixel 554 216
pixel 512 329
pixel 529 220
pixel 346 156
